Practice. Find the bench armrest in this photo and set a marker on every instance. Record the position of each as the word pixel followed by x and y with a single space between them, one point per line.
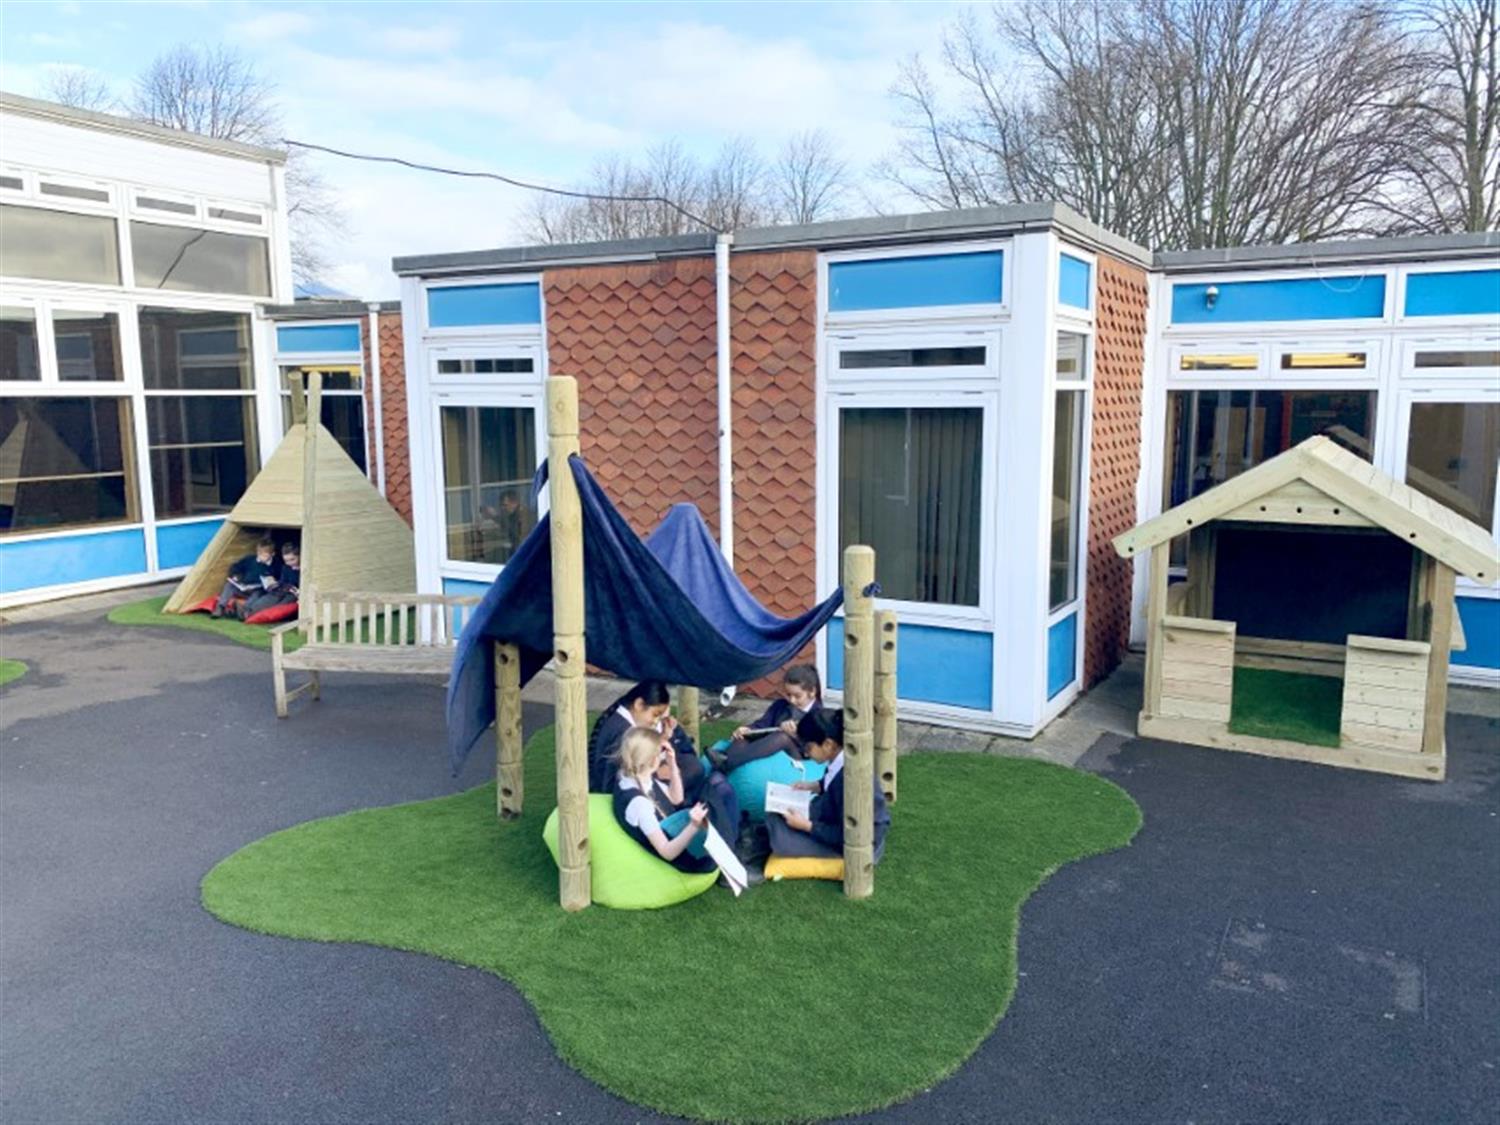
pixel 284 627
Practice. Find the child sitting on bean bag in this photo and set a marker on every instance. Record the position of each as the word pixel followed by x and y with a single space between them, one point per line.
pixel 821 831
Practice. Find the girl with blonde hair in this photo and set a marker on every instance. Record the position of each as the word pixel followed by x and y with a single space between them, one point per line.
pixel 647 790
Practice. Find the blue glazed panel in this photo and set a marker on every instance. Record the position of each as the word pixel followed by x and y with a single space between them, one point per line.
pixel 180 544
pixel 1454 293
pixel 462 588
pixel 933 665
pixel 66 559
pixel 907 283
pixel 464 306
pixel 1062 654
pixel 1075 282
pixel 1308 298
pixel 1481 618
pixel 317 338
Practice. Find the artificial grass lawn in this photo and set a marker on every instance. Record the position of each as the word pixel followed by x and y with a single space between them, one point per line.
pixel 11 670
pixel 1290 705
pixel 837 1006
pixel 148 612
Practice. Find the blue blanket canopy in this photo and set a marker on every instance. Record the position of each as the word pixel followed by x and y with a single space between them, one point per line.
pixel 666 608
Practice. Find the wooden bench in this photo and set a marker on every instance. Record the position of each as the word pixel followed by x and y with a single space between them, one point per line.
pixel 392 634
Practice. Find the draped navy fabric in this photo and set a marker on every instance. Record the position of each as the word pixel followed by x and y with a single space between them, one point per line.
pixel 666 608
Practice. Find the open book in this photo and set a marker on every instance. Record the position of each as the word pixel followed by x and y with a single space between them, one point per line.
pixel 729 864
pixel 784 799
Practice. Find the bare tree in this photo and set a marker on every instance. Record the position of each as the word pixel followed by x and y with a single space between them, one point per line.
pixel 1178 123
pixel 82 89
pixel 809 179
pixel 218 92
pixel 1452 161
pixel 733 188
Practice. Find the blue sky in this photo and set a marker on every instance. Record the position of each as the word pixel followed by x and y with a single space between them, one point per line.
pixel 533 90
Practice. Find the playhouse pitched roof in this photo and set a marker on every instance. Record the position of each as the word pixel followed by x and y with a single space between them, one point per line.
pixel 1352 481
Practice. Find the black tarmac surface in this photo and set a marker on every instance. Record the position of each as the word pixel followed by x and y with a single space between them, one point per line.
pixel 1281 943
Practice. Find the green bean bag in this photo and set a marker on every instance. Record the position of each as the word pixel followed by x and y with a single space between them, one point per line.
pixel 749 780
pixel 623 875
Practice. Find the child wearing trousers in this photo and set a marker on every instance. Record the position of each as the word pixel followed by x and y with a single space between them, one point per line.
pixel 801 692
pixel 821 831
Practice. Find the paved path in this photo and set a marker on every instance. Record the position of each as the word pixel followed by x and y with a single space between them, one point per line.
pixel 1283 942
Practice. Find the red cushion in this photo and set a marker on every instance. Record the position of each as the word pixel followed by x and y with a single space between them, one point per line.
pixel 205 606
pixel 273 614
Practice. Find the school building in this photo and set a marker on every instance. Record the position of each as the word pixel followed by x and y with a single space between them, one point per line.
pixel 986 397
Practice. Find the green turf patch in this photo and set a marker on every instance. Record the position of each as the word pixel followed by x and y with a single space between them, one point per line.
pixel 1290 705
pixel 836 1006
pixel 148 612
pixel 11 670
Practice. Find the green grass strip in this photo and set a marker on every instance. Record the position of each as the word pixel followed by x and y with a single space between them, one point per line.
pixel 837 1006
pixel 1290 705
pixel 148 612
pixel 11 670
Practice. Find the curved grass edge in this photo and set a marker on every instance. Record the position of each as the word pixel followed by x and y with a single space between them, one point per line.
pixel 562 1032
pixel 147 613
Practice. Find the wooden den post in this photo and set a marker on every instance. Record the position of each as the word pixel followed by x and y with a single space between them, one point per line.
pixel 885 702
pixel 689 712
pixel 859 717
pixel 510 785
pixel 1156 609
pixel 307 548
pixel 1440 583
pixel 568 646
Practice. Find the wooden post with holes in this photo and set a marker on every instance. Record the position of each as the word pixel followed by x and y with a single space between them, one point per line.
pixel 568 645
pixel 510 787
pixel 859 717
pixel 885 702
pixel 689 712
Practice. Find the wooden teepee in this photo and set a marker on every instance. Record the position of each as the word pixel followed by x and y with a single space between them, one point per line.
pixel 352 539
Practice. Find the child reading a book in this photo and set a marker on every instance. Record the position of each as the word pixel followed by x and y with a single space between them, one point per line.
pixel 283 589
pixel 801 692
pixel 248 575
pixel 821 830
pixel 643 799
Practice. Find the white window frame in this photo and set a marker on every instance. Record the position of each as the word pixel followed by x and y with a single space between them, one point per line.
pixel 1338 377
pixel 530 348
pixel 498 333
pixel 979 617
pixel 931 378
pixel 517 398
pixel 836 322
pixel 1070 318
pixel 1488 376
pixel 1179 378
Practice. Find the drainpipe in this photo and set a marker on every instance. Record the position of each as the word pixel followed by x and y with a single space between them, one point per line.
pixel 725 365
pixel 379 413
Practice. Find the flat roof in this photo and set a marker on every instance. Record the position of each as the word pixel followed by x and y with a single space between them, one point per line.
pixel 340 308
pixel 110 123
pixel 1467 244
pixel 876 230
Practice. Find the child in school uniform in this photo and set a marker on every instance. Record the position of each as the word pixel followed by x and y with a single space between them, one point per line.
pixel 801 692
pixel 284 588
pixel 642 799
pixel 248 575
pixel 821 831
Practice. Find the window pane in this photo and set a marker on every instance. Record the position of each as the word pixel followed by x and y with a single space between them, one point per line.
pixel 1067 454
pixel 19 358
pixel 1216 435
pixel 65 462
pixel 88 346
pixel 489 457
pixel 1297 361
pixel 205 351
pixel 912 357
pixel 58 246
pixel 1070 356
pixel 1198 362
pixel 909 486
pixel 234 216
pixel 151 203
pixel 199 261
pixel 334 378
pixel 1451 455
pixel 1459 359
pixel 513 365
pixel 71 191
pixel 202 452
pixel 343 417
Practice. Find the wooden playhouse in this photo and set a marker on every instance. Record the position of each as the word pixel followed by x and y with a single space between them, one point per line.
pixel 352 539
pixel 1316 616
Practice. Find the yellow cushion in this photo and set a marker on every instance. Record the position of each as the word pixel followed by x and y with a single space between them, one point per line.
pixel 780 867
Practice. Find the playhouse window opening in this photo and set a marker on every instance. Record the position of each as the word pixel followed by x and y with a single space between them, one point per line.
pixel 909 486
pixel 65 462
pixel 1452 453
pixel 20 359
pixel 489 457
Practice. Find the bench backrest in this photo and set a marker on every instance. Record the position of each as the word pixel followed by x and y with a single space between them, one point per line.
pixel 423 620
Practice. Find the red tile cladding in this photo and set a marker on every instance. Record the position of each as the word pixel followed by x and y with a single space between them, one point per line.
pixel 393 408
pixel 1115 466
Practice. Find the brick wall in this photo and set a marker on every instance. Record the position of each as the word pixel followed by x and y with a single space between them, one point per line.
pixel 1119 358
pixel 394 420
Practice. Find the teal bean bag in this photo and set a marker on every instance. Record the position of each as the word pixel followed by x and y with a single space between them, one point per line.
pixel 622 874
pixel 749 780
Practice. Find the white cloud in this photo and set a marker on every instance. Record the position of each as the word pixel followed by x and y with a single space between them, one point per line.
pixel 434 39
pixel 270 27
pixel 47 39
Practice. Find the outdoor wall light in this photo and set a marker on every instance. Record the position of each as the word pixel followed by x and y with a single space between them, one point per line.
pixel 1211 296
